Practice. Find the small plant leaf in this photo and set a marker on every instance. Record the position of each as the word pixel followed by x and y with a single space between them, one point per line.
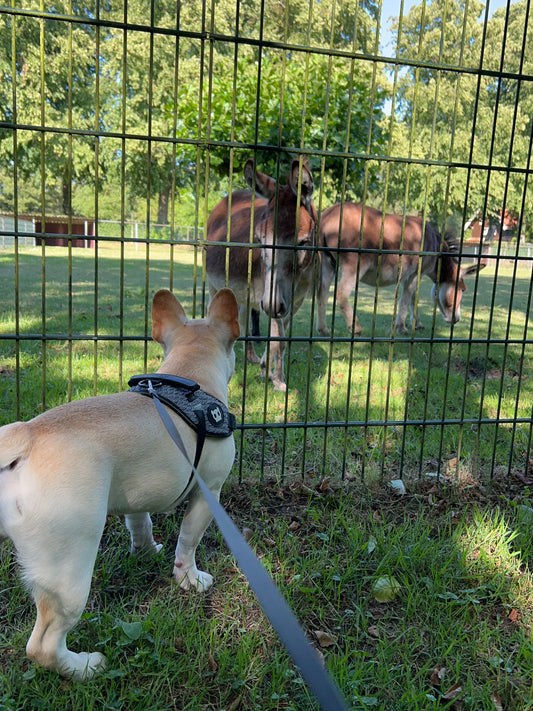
pixel 132 630
pixel 372 543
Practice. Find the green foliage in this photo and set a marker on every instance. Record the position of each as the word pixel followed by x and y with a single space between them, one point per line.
pixel 168 105
pixel 152 111
pixel 447 113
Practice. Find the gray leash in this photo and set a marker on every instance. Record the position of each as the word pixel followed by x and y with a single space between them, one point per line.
pixel 271 600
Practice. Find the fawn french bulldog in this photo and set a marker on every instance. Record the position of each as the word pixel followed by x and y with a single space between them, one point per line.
pixel 63 472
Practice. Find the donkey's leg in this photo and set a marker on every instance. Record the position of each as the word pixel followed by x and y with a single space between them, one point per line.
pixel 325 277
pixel 405 301
pixel 251 354
pixel 346 285
pixel 197 518
pixel 275 366
pixel 250 349
pixel 59 575
pixel 414 309
pixel 140 527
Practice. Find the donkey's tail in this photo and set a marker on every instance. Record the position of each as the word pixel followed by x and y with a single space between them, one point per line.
pixel 15 444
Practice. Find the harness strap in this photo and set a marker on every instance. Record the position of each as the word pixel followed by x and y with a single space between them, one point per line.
pixel 200 439
pixel 271 600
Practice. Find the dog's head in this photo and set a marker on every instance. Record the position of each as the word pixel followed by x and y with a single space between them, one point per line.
pixel 199 346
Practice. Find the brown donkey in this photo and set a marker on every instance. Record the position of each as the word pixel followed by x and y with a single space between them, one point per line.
pixel 279 273
pixel 380 251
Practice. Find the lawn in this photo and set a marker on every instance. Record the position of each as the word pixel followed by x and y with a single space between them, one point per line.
pixel 369 407
pixel 455 633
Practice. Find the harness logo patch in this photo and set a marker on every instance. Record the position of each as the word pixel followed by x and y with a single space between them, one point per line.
pixel 214 413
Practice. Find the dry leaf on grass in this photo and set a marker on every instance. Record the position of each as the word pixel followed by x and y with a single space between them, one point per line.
pixel 453 693
pixel 398 487
pixel 324 639
pixel 213 664
pixel 497 702
pixel 235 704
pixel 247 534
pixel 437 676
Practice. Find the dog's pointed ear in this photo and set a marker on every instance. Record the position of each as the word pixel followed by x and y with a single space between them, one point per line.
pixel 224 309
pixel 167 313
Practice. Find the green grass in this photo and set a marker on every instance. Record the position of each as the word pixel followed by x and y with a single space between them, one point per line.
pixel 464 606
pixel 484 373
pixel 460 548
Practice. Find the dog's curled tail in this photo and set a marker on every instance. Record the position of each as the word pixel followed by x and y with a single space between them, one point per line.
pixel 15 444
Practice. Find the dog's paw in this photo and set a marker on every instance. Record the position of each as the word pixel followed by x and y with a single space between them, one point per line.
pixel 150 549
pixel 84 666
pixel 193 578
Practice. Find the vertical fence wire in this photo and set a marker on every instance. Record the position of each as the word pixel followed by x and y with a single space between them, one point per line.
pixel 356 416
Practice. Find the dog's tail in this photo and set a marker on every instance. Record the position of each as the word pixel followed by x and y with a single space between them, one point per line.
pixel 15 444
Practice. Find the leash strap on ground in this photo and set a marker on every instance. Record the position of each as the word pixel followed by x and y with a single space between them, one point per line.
pixel 272 601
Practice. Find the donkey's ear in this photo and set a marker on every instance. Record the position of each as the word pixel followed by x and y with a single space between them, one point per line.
pixel 476 267
pixel 307 184
pixel 167 313
pixel 224 309
pixel 259 182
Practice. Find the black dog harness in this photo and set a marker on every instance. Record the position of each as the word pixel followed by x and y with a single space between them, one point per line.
pixel 208 416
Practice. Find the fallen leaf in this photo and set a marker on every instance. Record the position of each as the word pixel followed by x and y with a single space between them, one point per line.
pixel 523 478
pixel 496 701
pixel 213 665
pixel 398 487
pixel 453 692
pixel 452 463
pixel 385 588
pixel 235 704
pixel 514 616
pixel 324 639
pixel 437 676
pixel 325 483
pixel 372 543
pixel 247 534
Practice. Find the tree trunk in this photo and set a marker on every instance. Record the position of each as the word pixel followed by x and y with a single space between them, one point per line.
pixel 66 197
pixel 162 209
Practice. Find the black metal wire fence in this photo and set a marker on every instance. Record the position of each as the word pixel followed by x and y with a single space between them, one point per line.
pixel 123 124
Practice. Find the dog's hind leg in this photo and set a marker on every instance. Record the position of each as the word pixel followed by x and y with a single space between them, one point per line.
pixel 58 571
pixel 47 645
pixel 140 527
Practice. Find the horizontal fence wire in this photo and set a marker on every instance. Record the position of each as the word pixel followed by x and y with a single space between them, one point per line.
pixel 141 119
